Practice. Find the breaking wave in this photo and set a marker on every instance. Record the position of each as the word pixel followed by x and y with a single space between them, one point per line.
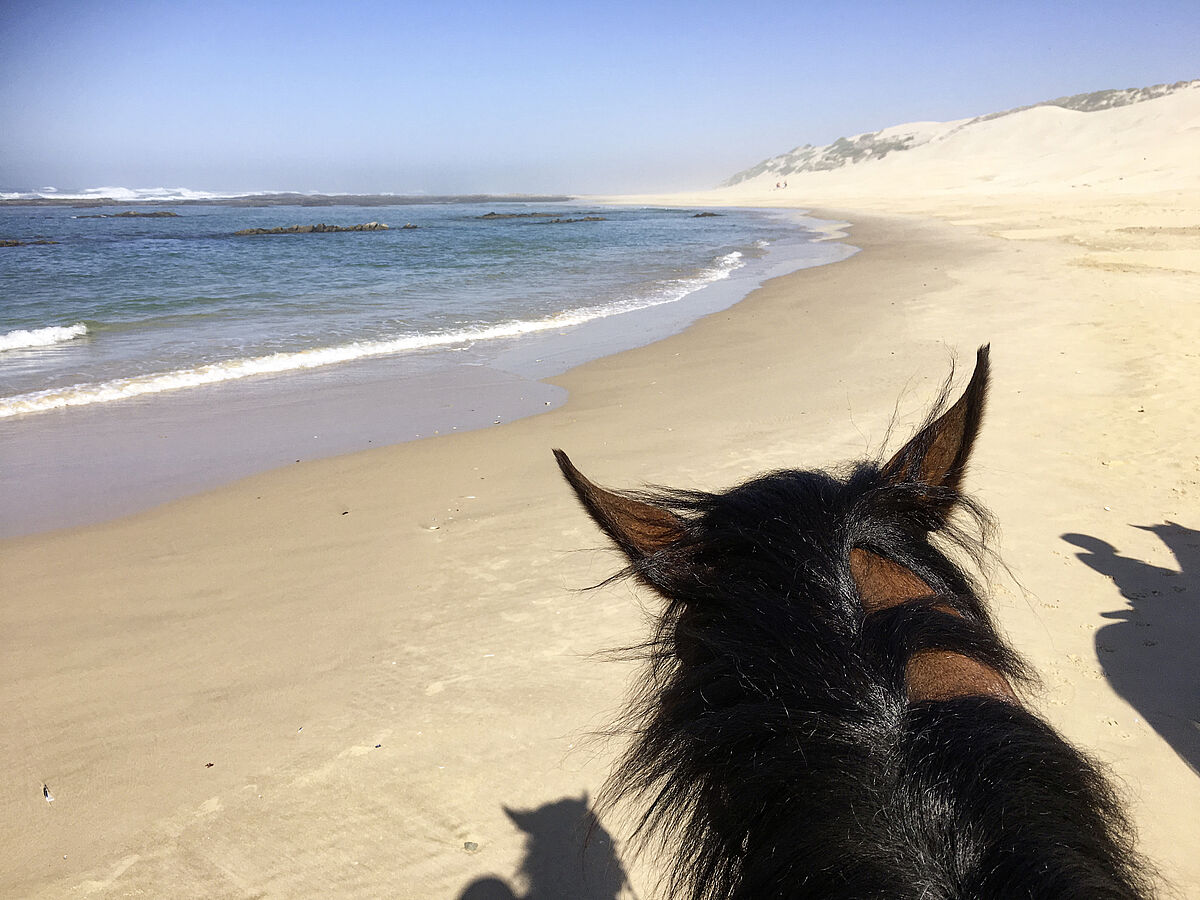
pixel 120 194
pixel 298 360
pixel 41 337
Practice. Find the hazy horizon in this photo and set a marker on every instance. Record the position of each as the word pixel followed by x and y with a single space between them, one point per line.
pixel 530 98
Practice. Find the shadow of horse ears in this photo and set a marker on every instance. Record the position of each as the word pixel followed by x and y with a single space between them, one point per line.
pixel 636 526
pixel 514 815
pixel 938 453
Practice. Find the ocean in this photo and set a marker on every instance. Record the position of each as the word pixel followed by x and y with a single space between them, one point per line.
pixel 175 325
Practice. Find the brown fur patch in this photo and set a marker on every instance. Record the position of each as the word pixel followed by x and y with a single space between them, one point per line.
pixel 929 674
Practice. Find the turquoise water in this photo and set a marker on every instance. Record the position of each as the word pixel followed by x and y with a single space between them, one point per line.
pixel 126 307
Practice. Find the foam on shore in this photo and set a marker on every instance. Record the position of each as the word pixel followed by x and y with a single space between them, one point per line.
pixel 279 363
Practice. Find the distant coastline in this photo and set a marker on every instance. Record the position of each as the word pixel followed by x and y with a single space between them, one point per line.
pixel 290 199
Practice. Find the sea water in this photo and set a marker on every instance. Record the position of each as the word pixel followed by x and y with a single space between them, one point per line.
pixel 176 323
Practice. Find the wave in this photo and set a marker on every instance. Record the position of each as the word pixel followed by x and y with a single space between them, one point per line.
pixel 298 360
pixel 41 337
pixel 123 194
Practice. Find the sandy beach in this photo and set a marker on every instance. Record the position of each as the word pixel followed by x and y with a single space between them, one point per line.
pixel 377 675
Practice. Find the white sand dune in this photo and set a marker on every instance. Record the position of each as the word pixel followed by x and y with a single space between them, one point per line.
pixel 1145 145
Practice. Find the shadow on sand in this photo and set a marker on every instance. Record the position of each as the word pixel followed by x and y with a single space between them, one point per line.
pixel 1149 653
pixel 567 855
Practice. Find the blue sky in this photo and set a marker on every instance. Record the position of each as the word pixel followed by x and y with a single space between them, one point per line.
pixel 525 96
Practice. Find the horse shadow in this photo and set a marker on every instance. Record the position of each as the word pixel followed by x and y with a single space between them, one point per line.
pixel 567 855
pixel 1149 652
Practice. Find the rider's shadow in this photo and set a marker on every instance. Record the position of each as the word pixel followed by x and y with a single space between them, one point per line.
pixel 1150 652
pixel 568 856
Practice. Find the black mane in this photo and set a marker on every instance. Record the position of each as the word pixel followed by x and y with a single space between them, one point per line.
pixel 776 752
pixel 775 715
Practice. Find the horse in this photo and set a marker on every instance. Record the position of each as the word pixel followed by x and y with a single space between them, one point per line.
pixel 828 710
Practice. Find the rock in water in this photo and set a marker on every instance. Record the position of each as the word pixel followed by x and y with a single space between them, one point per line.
pixel 312 229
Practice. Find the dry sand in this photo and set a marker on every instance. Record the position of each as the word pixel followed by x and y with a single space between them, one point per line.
pixel 332 679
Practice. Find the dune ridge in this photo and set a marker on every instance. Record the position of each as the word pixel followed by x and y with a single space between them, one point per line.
pixel 1053 136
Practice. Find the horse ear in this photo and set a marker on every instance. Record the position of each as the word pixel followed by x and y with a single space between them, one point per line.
pixel 937 454
pixel 638 528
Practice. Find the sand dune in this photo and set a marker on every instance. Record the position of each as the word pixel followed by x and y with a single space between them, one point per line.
pixel 1146 145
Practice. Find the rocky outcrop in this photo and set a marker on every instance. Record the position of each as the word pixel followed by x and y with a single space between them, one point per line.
pixel 542 218
pixel 8 243
pixel 134 214
pixel 523 215
pixel 312 229
pixel 568 221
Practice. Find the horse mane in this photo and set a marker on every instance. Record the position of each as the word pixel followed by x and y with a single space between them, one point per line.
pixel 775 749
pixel 786 703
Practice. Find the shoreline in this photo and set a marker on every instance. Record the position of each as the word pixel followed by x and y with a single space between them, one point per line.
pixel 381 652
pixel 83 466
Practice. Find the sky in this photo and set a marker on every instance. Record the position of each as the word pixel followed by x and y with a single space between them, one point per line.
pixel 522 96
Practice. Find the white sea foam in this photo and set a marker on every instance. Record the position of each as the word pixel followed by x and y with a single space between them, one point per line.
pixel 155 194
pixel 40 337
pixel 123 194
pixel 277 363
